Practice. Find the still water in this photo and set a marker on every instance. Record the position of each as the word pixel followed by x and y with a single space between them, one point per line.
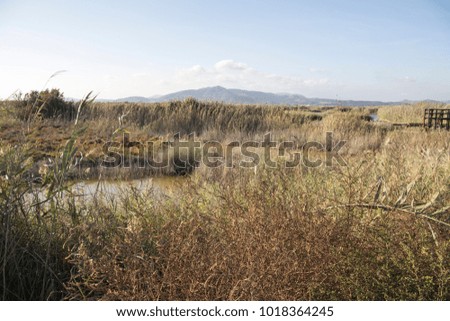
pixel 166 186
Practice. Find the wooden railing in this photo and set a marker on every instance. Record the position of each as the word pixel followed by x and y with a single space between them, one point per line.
pixel 437 118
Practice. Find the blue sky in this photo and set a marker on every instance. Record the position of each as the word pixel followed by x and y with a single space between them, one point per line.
pixel 346 49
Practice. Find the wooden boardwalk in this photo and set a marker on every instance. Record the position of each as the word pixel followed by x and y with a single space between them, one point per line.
pixel 437 118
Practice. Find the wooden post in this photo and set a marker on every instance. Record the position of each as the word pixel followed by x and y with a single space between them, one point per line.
pixel 436 118
pixel 448 120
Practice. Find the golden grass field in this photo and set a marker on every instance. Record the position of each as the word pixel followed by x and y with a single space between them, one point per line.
pixel 375 229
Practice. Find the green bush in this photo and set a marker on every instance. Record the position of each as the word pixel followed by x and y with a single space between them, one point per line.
pixel 45 104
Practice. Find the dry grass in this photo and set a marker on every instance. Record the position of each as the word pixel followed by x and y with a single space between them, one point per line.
pixel 376 229
pixel 192 116
pixel 412 113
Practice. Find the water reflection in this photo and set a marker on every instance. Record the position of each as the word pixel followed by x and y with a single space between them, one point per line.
pixel 158 186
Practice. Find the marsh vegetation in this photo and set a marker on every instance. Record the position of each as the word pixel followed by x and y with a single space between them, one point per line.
pixel 375 229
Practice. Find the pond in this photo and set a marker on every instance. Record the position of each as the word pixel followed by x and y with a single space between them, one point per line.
pixel 165 186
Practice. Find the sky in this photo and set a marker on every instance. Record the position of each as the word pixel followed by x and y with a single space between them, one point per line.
pixel 341 49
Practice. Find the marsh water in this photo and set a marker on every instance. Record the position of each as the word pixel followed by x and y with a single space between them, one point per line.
pixel 165 186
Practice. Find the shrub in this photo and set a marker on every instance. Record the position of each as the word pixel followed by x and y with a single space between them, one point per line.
pixel 46 104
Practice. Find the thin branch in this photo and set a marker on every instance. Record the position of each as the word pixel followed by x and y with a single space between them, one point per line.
pixel 387 208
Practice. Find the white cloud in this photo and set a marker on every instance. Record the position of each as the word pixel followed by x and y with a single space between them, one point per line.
pixel 233 74
pixel 197 69
pixel 407 79
pixel 231 65
pixel 117 82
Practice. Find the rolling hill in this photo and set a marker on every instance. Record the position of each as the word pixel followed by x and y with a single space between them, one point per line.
pixel 239 96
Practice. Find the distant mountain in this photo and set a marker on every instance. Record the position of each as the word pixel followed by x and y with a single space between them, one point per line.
pixel 238 96
pixel 431 101
pixel 135 99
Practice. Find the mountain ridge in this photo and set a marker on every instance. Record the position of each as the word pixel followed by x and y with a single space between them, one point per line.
pixel 240 96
